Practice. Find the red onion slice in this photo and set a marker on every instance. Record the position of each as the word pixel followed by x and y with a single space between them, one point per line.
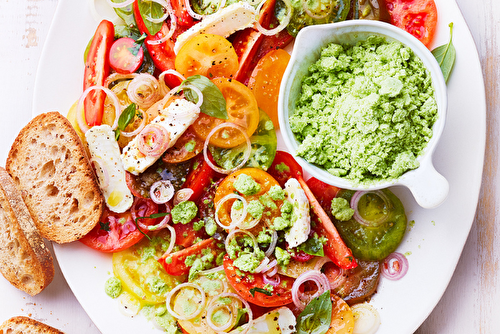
pixel 246 156
pixel 317 278
pixel 153 140
pixel 212 307
pixel 144 90
pixel 183 195
pixel 281 26
pixel 161 191
pixel 395 266
pixel 118 76
pixel 240 219
pixel 272 245
pixel 171 294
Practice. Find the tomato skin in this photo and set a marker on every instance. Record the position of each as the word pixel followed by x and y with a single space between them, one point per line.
pixel 200 177
pixel 281 295
pixel 177 266
pixel 418 17
pixel 284 167
pixel 324 192
pixel 183 17
pixel 265 82
pixel 163 55
pixel 120 235
pixel 96 71
pixel 121 57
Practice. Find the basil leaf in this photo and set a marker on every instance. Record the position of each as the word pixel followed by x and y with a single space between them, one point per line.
pixel 214 103
pixel 126 13
pixel 264 291
pixel 445 55
pixel 312 246
pixel 150 9
pixel 317 316
pixel 126 117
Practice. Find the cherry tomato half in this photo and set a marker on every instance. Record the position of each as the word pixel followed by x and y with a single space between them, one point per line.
pixel 418 17
pixel 251 287
pixel 118 231
pixel 126 55
pixel 97 70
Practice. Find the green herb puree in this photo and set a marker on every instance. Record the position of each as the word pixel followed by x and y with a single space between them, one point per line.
pixel 365 112
pixel 113 287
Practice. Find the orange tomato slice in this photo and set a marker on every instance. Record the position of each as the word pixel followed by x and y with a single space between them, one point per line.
pixel 265 82
pixel 242 109
pixel 208 55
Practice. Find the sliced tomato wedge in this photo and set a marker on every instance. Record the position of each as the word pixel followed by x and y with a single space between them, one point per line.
pixel 418 17
pixel 97 70
pixel 175 263
pixel 118 231
pixel 251 287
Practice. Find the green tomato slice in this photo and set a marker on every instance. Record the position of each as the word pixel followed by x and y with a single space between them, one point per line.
pixel 376 241
pixel 263 143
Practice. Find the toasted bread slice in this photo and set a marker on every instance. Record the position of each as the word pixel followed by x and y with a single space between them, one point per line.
pixel 25 260
pixel 25 325
pixel 49 164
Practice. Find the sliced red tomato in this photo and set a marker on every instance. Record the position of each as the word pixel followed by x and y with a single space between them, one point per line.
pixel 324 192
pixel 418 17
pixel 163 54
pixel 175 263
pixel 126 55
pixel 200 177
pixel 251 287
pixel 185 235
pixel 118 231
pixel 97 70
pixel 284 167
pixel 181 13
pixel 186 147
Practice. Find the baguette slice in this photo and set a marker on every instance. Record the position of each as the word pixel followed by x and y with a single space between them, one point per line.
pixel 25 325
pixel 49 164
pixel 25 260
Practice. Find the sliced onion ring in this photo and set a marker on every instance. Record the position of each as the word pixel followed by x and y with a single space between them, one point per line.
pixel 159 136
pixel 136 131
pixel 233 233
pixel 355 202
pixel 311 14
pixel 117 76
pixel 315 276
pixel 248 151
pixel 161 191
pixel 235 296
pixel 80 110
pixel 173 237
pixel 272 246
pixel 183 195
pixel 144 90
pixel 366 318
pixel 240 219
pixel 395 266
pixel 284 22
pixel 120 4
pixel 171 294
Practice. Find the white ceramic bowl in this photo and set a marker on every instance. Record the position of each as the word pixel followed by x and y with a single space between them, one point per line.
pixel 428 187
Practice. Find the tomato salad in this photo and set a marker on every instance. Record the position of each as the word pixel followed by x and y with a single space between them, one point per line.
pixel 212 229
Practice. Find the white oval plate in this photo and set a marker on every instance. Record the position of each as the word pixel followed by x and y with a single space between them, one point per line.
pixel 433 243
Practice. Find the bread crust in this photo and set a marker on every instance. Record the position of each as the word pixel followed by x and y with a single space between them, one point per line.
pixel 48 162
pixel 26 325
pixel 25 260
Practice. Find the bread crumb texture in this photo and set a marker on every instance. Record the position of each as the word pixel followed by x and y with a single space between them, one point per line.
pixel 49 163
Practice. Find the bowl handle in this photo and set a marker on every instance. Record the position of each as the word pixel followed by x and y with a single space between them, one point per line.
pixel 428 187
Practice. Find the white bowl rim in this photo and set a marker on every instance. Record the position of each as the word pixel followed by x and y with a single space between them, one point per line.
pixel 317 36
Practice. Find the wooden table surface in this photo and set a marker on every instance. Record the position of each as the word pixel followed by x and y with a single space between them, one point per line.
pixel 471 303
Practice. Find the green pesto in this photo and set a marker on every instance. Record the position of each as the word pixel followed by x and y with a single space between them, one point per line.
pixel 198 225
pixel 249 261
pixel 365 112
pixel 280 223
pixel 282 256
pixel 156 285
pixel 161 317
pixel 264 236
pixel 184 212
pixel 205 262
pixel 113 287
pixel 246 185
pixel 255 209
pixel 268 201
pixel 210 226
pixel 341 209
pixel 282 167
pixel 276 193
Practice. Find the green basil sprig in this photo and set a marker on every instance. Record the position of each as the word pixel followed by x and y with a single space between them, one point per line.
pixel 126 117
pixel 445 55
pixel 312 246
pixel 264 291
pixel 214 103
pixel 317 316
pixel 151 9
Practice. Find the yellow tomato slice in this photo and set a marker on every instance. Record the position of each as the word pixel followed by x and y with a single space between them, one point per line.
pixel 209 55
pixel 342 317
pixel 265 82
pixel 241 109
